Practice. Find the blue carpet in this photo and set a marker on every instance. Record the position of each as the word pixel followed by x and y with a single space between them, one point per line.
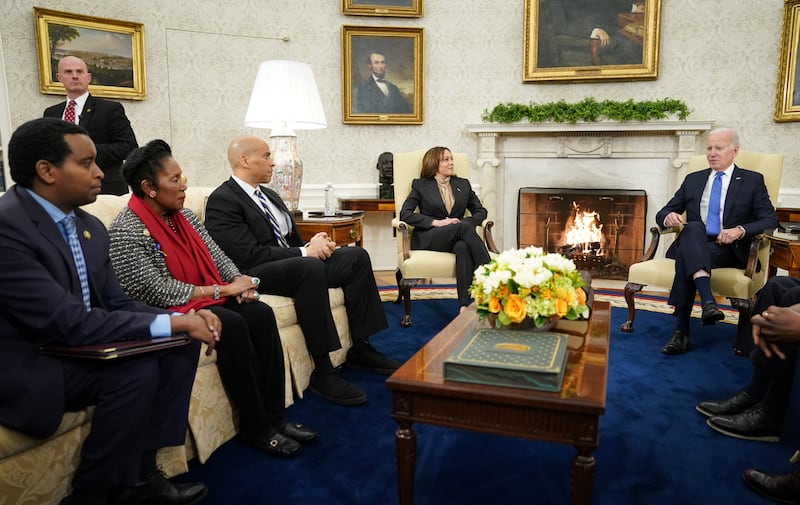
pixel 655 449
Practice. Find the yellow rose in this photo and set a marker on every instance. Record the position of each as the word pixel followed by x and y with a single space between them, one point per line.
pixel 561 307
pixel 581 296
pixel 494 305
pixel 515 308
pixel 524 292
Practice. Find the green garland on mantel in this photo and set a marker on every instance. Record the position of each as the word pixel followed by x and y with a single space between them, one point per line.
pixel 588 110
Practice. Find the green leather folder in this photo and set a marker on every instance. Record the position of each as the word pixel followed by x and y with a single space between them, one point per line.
pixel 521 359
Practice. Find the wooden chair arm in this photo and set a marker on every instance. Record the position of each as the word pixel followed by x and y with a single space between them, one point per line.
pixel 655 237
pixel 405 234
pixel 488 238
pixel 752 259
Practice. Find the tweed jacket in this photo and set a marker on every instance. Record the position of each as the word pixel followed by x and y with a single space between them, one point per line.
pixel 141 268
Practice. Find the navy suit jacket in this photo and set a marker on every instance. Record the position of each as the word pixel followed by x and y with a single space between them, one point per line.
pixel 112 134
pixel 747 204
pixel 41 303
pixel 241 227
pixel 424 204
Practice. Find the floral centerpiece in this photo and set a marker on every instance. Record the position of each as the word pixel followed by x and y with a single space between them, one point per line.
pixel 529 284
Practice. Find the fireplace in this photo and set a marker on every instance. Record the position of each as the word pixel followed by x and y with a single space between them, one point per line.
pixel 650 156
pixel 602 230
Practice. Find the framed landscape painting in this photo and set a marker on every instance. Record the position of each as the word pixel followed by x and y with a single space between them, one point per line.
pixel 787 96
pixel 387 8
pixel 381 75
pixel 113 51
pixel 591 40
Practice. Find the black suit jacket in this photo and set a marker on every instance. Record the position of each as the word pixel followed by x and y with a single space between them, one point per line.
pixel 243 231
pixel 41 303
pixel 424 204
pixel 747 204
pixel 111 131
pixel 369 99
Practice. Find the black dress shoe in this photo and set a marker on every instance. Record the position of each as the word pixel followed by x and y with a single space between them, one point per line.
pixel 678 344
pixel 736 404
pixel 333 388
pixel 711 314
pixel 780 488
pixel 752 424
pixel 279 445
pixel 157 489
pixel 297 432
pixel 366 357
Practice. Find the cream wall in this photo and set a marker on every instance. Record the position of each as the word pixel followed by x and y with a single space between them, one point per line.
pixel 719 56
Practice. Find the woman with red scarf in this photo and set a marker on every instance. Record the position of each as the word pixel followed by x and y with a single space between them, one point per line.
pixel 164 257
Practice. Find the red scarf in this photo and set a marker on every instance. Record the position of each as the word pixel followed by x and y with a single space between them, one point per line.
pixel 184 252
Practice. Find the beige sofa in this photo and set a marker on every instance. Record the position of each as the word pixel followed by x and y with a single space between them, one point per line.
pixel 39 471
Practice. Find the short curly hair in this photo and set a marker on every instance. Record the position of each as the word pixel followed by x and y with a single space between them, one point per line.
pixel 144 164
pixel 36 140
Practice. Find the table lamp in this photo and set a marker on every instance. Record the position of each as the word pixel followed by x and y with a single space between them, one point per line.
pixel 285 98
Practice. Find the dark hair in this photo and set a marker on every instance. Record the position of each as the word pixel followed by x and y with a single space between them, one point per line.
pixel 369 56
pixel 36 140
pixel 430 161
pixel 144 164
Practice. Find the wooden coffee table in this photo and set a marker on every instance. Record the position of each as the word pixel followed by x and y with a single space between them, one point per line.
pixel 570 416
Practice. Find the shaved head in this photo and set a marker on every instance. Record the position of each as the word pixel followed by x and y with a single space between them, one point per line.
pixel 250 159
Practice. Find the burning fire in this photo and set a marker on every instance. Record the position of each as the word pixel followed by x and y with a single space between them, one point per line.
pixel 584 232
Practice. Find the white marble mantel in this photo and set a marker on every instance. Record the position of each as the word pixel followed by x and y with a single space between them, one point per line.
pixel 648 155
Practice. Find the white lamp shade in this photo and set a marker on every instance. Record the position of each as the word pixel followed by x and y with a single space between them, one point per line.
pixel 285 96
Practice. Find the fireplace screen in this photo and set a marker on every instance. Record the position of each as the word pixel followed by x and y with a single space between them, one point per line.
pixel 602 230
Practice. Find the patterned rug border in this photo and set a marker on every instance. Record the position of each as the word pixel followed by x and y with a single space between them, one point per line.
pixel 652 303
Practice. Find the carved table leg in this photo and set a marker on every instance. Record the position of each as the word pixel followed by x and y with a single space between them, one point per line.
pixel 582 476
pixel 406 445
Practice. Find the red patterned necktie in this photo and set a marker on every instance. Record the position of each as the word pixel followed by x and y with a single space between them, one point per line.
pixel 69 112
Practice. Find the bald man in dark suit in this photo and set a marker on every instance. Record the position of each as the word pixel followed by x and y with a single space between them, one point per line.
pixel 105 120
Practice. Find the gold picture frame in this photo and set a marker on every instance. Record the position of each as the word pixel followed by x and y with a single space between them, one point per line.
pixel 113 51
pixel 386 8
pixel 398 53
pixel 564 44
pixel 787 95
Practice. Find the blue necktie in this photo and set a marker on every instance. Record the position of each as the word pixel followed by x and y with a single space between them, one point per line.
pixel 68 223
pixel 276 230
pixel 712 223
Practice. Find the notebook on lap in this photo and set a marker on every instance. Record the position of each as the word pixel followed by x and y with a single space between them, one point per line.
pixel 113 350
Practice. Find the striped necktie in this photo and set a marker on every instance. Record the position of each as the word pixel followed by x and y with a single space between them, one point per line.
pixel 276 230
pixel 68 224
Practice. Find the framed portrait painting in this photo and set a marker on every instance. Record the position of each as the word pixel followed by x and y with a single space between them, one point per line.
pixel 787 96
pixel 591 40
pixel 113 51
pixel 386 8
pixel 381 75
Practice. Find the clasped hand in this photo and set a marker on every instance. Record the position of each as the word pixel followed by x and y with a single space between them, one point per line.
pixel 776 325
pixel 201 325
pixel 243 289
pixel 320 246
pixel 438 223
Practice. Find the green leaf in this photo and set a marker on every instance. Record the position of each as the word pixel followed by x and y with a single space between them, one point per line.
pixel 587 110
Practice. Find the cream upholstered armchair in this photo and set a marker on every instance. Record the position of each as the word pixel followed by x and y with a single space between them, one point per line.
pixel 418 266
pixel 738 285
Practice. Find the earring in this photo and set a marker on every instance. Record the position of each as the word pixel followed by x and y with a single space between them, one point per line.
pixel 151 194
